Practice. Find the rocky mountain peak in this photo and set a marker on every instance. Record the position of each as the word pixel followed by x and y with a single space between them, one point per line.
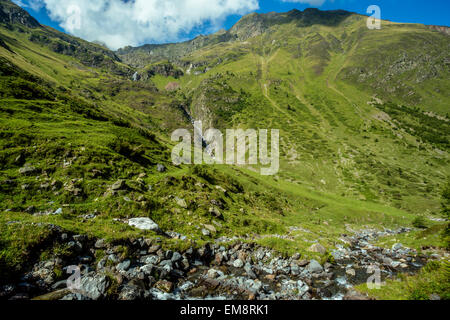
pixel 255 24
pixel 10 13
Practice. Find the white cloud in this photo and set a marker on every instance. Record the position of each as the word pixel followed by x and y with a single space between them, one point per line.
pixel 34 5
pixel 310 2
pixel 132 22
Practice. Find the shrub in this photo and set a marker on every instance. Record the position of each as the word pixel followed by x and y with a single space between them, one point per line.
pixel 420 223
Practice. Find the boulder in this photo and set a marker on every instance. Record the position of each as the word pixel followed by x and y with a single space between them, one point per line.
pixel 123 266
pixel 317 248
pixel 302 288
pixel 238 263
pixel 249 270
pixel 94 286
pixel 144 224
pixel 176 257
pixel 100 244
pixel 314 267
pixel 210 228
pixel 147 269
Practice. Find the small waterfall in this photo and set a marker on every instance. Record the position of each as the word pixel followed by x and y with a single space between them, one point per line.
pixel 198 130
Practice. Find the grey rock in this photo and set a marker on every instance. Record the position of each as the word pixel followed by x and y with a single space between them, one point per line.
pixel 154 260
pixel 167 265
pixel 185 264
pixel 181 202
pixel 176 257
pixel 144 224
pixel 94 286
pixel 317 248
pixel 210 228
pixel 101 264
pixel 302 287
pixel 314 267
pixel 100 244
pixel 249 270
pixel 147 269
pixel 295 270
pixel 161 168
pixel 387 261
pixel 238 263
pixel 215 212
pixel 123 266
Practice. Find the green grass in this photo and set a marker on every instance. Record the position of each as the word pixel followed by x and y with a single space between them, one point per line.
pixel 433 279
pixel 419 239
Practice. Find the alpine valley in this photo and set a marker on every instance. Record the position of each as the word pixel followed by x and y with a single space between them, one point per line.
pixel 363 191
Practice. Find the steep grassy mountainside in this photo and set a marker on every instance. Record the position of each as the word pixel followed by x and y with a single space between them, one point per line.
pixel 354 105
pixel 85 134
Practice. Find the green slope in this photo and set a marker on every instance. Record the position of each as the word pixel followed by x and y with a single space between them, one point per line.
pixel 354 153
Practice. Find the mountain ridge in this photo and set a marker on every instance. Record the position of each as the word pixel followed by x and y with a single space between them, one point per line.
pixel 248 26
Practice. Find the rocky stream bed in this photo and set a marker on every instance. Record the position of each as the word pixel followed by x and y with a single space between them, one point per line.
pixel 215 271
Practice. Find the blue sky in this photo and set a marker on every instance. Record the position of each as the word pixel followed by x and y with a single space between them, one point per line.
pixel 412 11
pixel 118 26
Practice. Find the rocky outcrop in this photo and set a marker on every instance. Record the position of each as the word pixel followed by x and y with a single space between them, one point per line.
pixel 441 29
pixel 165 70
pixel 10 13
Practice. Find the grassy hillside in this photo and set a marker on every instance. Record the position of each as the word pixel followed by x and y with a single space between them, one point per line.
pixel 340 134
pixel 362 114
